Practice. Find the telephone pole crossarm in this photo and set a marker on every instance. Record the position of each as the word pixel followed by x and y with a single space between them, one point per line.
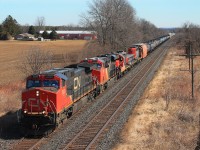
pixel 191 57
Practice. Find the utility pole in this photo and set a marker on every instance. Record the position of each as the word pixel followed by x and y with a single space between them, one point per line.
pixel 190 55
pixel 192 67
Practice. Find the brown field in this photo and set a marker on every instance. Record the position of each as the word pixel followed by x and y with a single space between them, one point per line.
pixel 166 117
pixel 11 51
pixel 11 77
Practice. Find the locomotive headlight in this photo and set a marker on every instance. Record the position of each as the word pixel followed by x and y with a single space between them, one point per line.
pixel 37 93
pixel 25 111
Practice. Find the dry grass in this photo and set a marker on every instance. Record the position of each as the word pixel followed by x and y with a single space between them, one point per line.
pixel 11 78
pixel 10 97
pixel 11 52
pixel 165 118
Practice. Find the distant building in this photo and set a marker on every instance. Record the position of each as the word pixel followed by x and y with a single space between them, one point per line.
pixel 72 35
pixel 25 37
pixel 40 39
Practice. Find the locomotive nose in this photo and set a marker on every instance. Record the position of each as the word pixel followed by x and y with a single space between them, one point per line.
pixel 38 101
pixel 37 93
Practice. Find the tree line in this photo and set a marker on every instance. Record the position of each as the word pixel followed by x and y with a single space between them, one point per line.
pixel 190 36
pixel 117 25
pixel 10 28
pixel 114 21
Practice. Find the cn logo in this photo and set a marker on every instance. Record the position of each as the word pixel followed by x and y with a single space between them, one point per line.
pixel 77 82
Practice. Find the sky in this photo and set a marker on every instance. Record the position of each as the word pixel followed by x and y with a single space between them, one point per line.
pixel 162 13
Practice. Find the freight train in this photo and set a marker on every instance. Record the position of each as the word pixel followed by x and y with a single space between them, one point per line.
pixel 54 95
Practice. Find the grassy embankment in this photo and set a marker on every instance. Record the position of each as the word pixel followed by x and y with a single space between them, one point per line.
pixel 165 117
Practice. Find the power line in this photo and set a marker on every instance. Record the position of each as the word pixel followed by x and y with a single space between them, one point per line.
pixel 190 55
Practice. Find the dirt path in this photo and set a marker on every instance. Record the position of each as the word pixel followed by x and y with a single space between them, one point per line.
pixel 165 118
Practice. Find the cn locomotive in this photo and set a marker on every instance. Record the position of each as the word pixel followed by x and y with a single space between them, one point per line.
pixel 53 95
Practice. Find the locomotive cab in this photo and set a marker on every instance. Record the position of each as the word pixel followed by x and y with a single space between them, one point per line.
pixel 121 62
pixel 44 97
pixel 138 49
pixel 134 51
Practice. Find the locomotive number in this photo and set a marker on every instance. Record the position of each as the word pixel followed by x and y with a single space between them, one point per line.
pixel 77 82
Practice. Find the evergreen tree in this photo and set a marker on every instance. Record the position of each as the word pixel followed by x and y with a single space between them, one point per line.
pixel 53 35
pixel 1 32
pixel 45 35
pixel 1 29
pixel 11 26
pixel 6 36
pixel 31 30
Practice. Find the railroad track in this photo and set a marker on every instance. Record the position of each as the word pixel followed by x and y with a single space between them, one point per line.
pixel 27 144
pixel 95 130
pixel 91 134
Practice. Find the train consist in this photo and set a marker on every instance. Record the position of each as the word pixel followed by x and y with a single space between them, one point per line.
pixel 53 95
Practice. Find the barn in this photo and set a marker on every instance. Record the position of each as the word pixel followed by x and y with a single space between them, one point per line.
pixel 72 35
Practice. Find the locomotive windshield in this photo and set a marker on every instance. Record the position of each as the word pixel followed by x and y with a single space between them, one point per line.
pixel 33 83
pixel 50 83
pixel 40 83
pixel 99 65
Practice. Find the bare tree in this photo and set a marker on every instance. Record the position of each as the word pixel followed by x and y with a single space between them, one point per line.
pixel 116 24
pixel 191 33
pixel 148 30
pixel 35 60
pixel 25 28
pixel 122 22
pixel 113 20
pixel 40 23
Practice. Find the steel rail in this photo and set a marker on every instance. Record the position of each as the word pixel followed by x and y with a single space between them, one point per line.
pixel 27 144
pixel 71 145
pixel 122 104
